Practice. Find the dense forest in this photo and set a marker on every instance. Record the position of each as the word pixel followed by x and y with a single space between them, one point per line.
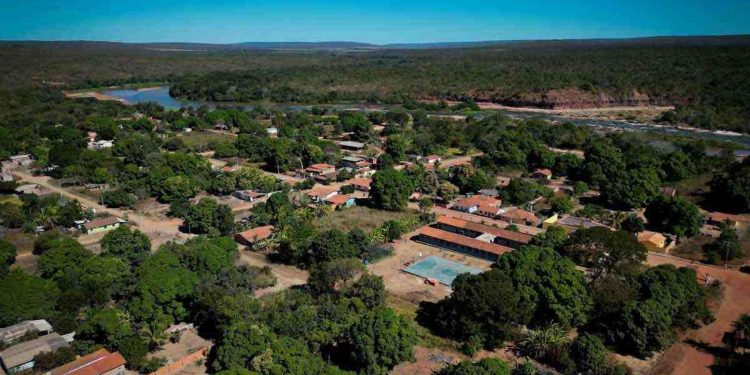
pixel 707 80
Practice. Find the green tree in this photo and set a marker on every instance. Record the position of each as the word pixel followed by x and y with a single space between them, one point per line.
pixel 550 283
pixel 561 204
pixel 632 224
pixel 46 361
pixel 26 297
pixel 69 213
pixel 630 188
pixel 177 188
pixel 589 354
pixel 486 366
pixel 135 147
pixel 335 276
pixel 380 340
pixel 331 244
pixel 55 262
pixel 731 189
pixel 117 198
pixel 132 246
pixel 725 248
pixel 605 251
pixel 7 257
pixel 674 215
pixel 396 146
pixel 391 190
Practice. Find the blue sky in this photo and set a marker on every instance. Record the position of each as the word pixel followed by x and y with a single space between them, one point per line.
pixel 385 21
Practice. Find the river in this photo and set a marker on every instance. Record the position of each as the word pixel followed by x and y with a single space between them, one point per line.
pixel 160 95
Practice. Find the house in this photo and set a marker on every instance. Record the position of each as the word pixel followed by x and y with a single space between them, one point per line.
pixel 718 218
pixel 356 163
pixel 20 357
pixel 319 195
pixel 321 171
pixel 221 125
pixel 431 159
pixel 251 236
pixel 100 145
pixel 10 334
pixel 472 205
pixel 100 362
pixel 247 195
pixel 361 184
pixel 652 240
pixel 571 223
pixel 21 160
pixel 272 132
pixel 351 145
pixel 103 224
pixel 519 216
pixel 96 187
pixel 462 244
pixel 340 201
pixel 542 174
pixel 471 229
pixel 32 189
pixel 489 192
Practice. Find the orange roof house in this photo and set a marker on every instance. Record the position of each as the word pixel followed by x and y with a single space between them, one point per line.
pixel 544 174
pixel 654 239
pixel 100 362
pixel 252 236
pixel 517 215
pixel 472 204
pixel 362 184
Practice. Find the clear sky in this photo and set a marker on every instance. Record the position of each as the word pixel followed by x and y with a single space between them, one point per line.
pixel 384 21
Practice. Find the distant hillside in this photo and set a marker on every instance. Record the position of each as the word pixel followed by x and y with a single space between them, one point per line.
pixel 707 78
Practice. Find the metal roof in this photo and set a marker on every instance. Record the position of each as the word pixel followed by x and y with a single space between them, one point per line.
pixel 24 352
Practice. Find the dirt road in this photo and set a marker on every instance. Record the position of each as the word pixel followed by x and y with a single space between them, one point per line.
pixel 686 359
pixel 159 230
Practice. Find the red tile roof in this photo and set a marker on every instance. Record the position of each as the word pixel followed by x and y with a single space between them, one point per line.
pixel 319 167
pixel 476 200
pixel 255 234
pixel 517 214
pixel 458 239
pixel 320 192
pixel 360 181
pixel 338 200
pixel 481 228
pixel 96 363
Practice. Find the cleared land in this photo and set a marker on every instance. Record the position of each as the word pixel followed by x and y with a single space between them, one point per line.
pixel 363 218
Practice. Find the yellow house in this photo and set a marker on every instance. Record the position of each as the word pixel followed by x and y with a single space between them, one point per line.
pixel 101 225
pixel 550 221
pixel 652 240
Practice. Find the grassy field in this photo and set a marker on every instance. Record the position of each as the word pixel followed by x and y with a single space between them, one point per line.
pixel 204 140
pixel 363 218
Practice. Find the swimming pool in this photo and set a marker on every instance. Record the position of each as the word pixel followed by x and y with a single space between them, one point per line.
pixel 440 269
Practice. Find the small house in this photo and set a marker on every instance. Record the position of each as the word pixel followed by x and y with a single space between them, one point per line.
pixel 252 236
pixel 472 205
pixel 272 132
pixel 351 145
pixel 431 159
pixel 519 216
pixel 361 184
pixel 319 195
pixel 102 225
pixel 340 201
pixel 10 334
pixel 542 174
pixel 652 240
pixel 317 170
pixel 247 195
pixel 21 160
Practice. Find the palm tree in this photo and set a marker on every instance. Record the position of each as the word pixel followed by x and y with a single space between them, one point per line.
pixel 47 216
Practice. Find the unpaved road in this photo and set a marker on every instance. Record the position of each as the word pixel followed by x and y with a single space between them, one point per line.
pixel 158 230
pixel 685 359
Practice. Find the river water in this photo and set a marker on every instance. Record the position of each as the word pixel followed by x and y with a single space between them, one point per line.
pixel 161 96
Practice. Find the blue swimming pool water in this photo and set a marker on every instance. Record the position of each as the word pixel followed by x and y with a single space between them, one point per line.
pixel 440 269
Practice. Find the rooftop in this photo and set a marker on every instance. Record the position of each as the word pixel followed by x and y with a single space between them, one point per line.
pixel 338 199
pixel 256 234
pixel 458 239
pixel 476 200
pixel 102 222
pixel 15 331
pixel 96 363
pixel 24 352
pixel 519 214
pixel 361 181
pixel 352 144
pixel 476 227
pixel 574 221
